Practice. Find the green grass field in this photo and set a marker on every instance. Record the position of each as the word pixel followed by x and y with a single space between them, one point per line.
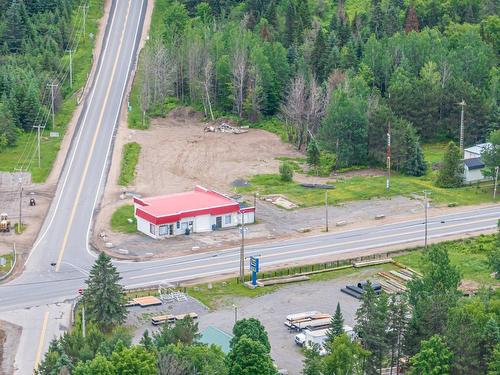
pixel 119 219
pixel 9 258
pixel 130 157
pixel 363 187
pixel 469 256
pixel 24 151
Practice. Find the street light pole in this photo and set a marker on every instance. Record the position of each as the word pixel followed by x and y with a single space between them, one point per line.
pixel 19 226
pixel 426 202
pixel 242 249
pixel 235 309
pixel 496 182
pixel 326 210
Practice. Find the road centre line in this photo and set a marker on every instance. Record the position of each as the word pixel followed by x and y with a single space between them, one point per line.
pixel 41 340
pixel 111 137
pixel 234 269
pixel 266 256
pixel 80 132
pixel 339 235
pixel 91 152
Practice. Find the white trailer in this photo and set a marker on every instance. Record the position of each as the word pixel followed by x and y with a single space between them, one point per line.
pixel 290 319
pixel 323 322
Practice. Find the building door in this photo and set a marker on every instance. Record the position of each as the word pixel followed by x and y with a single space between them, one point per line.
pixel 218 222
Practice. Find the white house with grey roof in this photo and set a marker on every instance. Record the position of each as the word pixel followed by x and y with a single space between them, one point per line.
pixel 473 164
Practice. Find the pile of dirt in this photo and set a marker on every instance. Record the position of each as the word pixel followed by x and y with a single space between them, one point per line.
pixel 185 114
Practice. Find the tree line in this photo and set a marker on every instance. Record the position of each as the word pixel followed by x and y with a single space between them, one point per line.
pixel 33 38
pixel 341 82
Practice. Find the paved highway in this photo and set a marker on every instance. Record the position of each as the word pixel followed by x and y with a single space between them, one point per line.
pixel 63 240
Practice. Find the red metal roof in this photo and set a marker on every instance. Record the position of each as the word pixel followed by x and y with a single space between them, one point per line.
pixel 171 208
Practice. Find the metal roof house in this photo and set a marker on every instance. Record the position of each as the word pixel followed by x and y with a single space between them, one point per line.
pixel 200 210
pixel 473 163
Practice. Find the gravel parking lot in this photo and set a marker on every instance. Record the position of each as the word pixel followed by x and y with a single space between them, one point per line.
pixel 271 309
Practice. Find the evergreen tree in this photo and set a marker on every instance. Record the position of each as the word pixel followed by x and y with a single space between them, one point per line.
pixel 17 31
pixel 377 18
pixel 290 36
pixel 397 326
pixel 415 164
pixel 8 130
pixel 431 298
pixel 451 172
pixel 494 363
pixel 147 341
pixel 104 296
pixel 318 60
pixel 371 323
pixel 434 358
pixel 336 326
pixel 313 154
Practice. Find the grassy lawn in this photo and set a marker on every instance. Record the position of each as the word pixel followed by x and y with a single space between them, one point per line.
pixel 24 150
pixel 6 267
pixel 469 256
pixel 434 152
pixel 130 157
pixel 119 220
pixel 362 187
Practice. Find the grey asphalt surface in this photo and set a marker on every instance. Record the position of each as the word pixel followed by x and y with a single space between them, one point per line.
pixel 64 236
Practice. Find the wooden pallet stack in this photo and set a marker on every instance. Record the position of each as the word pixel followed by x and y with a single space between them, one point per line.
pixel 395 281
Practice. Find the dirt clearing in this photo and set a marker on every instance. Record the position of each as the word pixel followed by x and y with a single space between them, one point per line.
pixel 178 154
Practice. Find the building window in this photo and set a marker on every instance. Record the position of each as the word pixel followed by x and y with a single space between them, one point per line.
pixel 165 230
pixel 227 219
pixel 178 225
pixel 152 228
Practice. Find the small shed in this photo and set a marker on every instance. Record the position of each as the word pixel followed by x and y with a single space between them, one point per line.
pixel 473 170
pixel 215 336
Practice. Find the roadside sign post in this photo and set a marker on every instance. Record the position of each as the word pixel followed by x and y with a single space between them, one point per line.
pixel 254 267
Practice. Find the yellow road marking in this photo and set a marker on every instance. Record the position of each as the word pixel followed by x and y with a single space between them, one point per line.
pixel 307 249
pixel 99 123
pixel 42 339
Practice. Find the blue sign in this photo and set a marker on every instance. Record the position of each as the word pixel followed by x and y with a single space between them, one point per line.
pixel 254 267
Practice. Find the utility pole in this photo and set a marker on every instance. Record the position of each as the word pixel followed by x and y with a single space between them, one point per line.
pixel 235 310
pixel 462 104
pixel 38 135
pixel 83 321
pixel 70 51
pixel 326 210
pixel 496 182
pixel 388 154
pixel 426 202
pixel 84 7
pixel 242 249
pixel 19 226
pixel 52 85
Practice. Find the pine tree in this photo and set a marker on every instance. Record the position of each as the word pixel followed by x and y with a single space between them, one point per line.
pixel 371 318
pixel 290 37
pixel 318 60
pixel 397 326
pixel 377 19
pixel 411 23
pixel 17 29
pixel 313 154
pixel 104 297
pixel 451 172
pixel 337 326
pixel 415 164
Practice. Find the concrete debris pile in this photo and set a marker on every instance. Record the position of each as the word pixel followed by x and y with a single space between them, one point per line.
pixel 226 128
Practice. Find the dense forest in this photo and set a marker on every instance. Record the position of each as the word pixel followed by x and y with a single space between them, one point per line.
pixel 338 78
pixel 34 36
